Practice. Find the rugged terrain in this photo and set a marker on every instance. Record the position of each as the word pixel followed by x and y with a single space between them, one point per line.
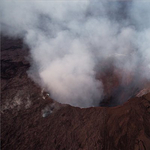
pixel 31 120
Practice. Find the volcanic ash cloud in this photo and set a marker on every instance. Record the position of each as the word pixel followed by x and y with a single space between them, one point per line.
pixel 69 39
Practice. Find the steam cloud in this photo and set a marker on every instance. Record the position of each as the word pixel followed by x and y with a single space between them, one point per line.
pixel 69 39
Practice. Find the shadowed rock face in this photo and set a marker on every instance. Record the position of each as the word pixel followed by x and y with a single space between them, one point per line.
pixel 31 120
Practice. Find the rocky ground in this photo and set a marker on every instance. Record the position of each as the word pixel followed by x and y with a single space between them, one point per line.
pixel 30 120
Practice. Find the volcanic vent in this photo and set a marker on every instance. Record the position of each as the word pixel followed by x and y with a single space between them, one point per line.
pixel 30 121
pixel 83 53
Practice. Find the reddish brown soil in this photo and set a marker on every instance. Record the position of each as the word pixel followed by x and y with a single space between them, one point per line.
pixel 125 127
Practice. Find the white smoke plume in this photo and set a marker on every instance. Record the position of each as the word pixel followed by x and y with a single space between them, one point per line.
pixel 71 40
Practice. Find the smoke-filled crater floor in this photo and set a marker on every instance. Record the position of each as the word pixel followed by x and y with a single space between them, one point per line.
pixel 75 75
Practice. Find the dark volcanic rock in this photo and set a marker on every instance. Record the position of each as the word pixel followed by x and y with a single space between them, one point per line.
pixel 31 120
